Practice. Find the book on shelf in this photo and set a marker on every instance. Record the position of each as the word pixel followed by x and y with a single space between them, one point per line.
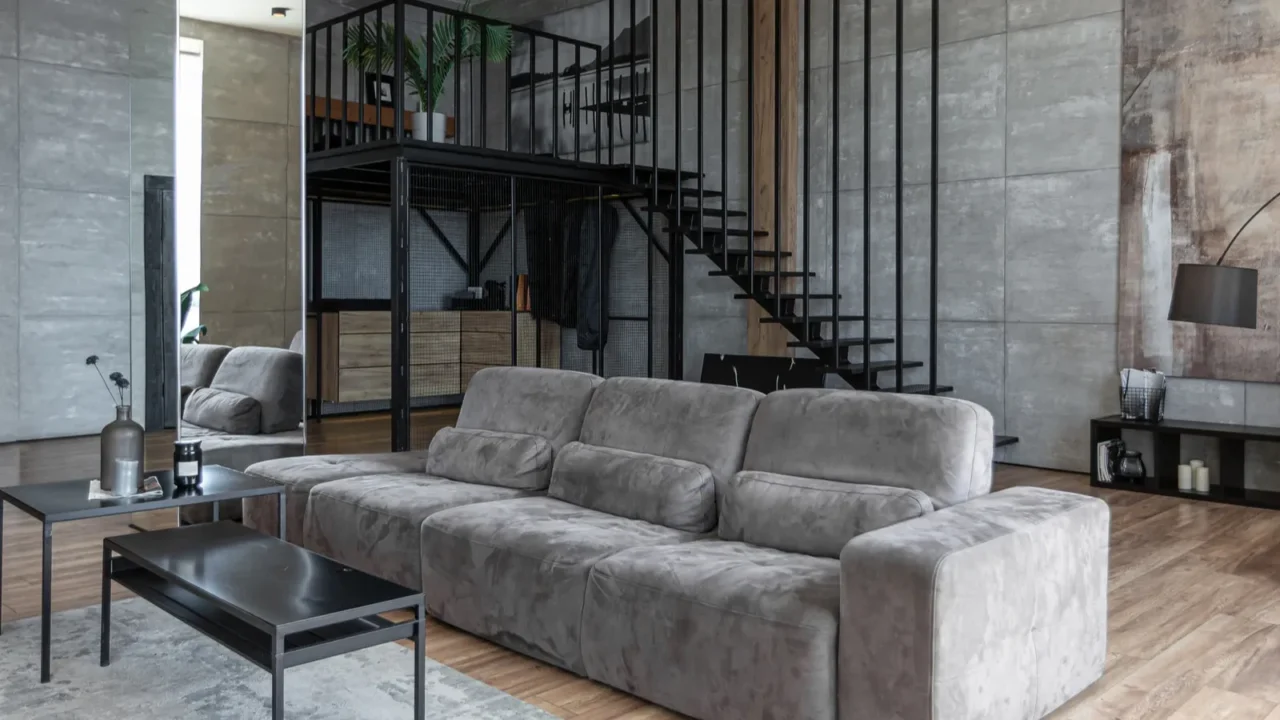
pixel 1106 450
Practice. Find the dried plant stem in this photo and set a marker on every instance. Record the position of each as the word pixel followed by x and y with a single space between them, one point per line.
pixel 104 382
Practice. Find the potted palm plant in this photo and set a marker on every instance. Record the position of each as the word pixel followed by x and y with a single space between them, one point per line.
pixel 367 43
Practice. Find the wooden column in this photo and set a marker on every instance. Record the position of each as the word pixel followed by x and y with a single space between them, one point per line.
pixel 771 339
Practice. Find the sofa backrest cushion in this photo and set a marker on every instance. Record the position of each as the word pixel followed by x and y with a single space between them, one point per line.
pixel 224 411
pixel 271 376
pixel 940 446
pixel 530 401
pixel 199 363
pixel 814 517
pixel 704 424
pixel 487 457
pixel 664 491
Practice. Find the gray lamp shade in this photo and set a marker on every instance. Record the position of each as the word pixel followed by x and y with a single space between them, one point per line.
pixel 1215 295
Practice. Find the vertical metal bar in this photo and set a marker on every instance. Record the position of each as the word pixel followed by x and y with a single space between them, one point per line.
pixel 836 354
pixel 631 43
pixel 328 86
pixel 724 130
pixel 613 52
pixel 533 79
pixel 601 298
pixel 344 86
pixel 577 99
pixel 377 62
pixel 777 157
pixel 46 601
pixel 104 642
pixel 397 95
pixel 429 103
pixel 675 245
pixel 312 115
pixel 511 282
pixel 935 42
pixel 419 661
pixel 360 89
pixel 484 90
pixel 751 145
pixel 282 515
pixel 457 79
pixel 557 109
pixel 898 199
pixel 277 676
pixel 507 100
pixel 598 97
pixel 399 306
pixel 702 200
pixel 866 184
pixel 653 188
pixel 804 123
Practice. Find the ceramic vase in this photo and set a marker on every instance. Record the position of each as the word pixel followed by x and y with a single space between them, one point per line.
pixel 121 439
pixel 429 126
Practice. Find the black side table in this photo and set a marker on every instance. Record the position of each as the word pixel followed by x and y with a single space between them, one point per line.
pixel 53 503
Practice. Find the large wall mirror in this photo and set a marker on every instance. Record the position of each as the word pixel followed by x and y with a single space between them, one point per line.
pixel 232 223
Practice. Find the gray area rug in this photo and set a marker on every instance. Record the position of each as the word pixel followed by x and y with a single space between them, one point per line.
pixel 162 669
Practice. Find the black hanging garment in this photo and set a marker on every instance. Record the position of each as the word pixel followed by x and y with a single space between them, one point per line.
pixel 569 248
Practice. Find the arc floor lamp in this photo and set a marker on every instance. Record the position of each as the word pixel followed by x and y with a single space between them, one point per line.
pixel 1218 294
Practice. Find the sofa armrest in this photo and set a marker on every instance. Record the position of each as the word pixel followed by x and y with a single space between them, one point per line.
pixel 995 609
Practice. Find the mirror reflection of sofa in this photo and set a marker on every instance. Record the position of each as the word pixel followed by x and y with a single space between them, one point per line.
pixel 248 409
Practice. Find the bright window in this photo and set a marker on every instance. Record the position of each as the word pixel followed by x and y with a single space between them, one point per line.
pixel 190 166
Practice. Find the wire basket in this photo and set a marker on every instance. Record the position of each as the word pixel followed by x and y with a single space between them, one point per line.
pixel 1142 403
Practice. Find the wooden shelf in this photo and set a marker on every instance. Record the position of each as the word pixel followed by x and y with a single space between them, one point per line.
pixel 1167 435
pixel 331 109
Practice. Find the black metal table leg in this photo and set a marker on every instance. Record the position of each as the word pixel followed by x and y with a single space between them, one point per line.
pixel 1 556
pixel 46 601
pixel 277 679
pixel 419 664
pixel 217 511
pixel 280 509
pixel 105 659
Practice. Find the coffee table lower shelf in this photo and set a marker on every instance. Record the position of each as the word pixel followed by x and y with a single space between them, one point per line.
pixel 247 641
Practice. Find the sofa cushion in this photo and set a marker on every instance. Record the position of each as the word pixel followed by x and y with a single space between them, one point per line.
pixel 814 517
pixel 940 446
pixel 487 457
pixel 706 424
pixel 374 523
pixel 224 411
pixel 676 493
pixel 716 629
pixel 271 376
pixel 515 571
pixel 198 363
pixel 530 401
pixel 300 474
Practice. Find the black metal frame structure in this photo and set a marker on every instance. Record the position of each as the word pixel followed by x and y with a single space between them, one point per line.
pixel 669 194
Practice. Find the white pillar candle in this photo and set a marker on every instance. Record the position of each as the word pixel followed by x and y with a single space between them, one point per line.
pixel 1202 479
pixel 1184 477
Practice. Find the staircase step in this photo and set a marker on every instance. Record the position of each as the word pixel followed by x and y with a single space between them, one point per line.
pixel 644 173
pixel 920 389
pixel 1005 440
pixel 759 274
pixel 692 212
pixel 828 343
pixel 692 231
pixel 716 252
pixel 876 367
pixel 685 192
pixel 800 319
pixel 770 297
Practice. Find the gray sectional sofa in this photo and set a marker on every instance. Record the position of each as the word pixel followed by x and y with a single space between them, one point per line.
pixel 809 554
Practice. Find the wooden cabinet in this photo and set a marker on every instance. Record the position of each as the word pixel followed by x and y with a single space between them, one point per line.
pixel 446 349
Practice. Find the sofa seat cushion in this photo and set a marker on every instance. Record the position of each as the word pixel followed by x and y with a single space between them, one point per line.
pixel 224 411
pixel 676 493
pixel 516 571
pixel 488 457
pixel 813 517
pixel 716 629
pixel 300 474
pixel 374 523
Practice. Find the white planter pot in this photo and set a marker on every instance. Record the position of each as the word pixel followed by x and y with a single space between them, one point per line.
pixel 429 126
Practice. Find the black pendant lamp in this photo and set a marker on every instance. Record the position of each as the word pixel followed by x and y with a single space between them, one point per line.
pixel 1218 294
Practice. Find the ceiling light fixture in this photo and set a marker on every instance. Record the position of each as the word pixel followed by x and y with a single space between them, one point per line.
pixel 279 12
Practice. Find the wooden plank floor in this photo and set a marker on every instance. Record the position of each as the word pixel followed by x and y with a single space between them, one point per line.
pixel 1194 598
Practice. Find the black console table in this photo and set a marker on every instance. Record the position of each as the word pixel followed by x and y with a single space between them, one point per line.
pixel 1166 440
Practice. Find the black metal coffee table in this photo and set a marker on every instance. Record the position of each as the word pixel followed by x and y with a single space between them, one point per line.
pixel 52 503
pixel 274 604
